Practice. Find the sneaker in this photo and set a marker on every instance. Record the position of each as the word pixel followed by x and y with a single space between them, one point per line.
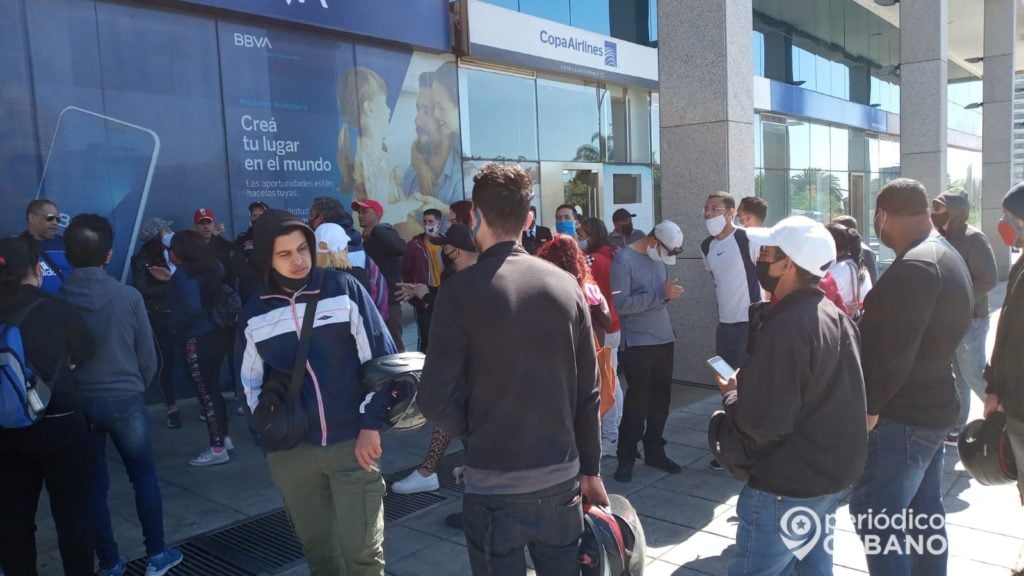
pixel 664 463
pixel 715 465
pixel 457 473
pixel 609 448
pixel 416 482
pixel 173 419
pixel 953 438
pixel 454 521
pixel 159 564
pixel 624 472
pixel 210 458
pixel 115 570
pixel 228 444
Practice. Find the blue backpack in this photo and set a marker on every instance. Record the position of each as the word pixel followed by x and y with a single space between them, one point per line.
pixel 23 395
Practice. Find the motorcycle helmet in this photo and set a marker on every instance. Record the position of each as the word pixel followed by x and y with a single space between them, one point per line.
pixel 398 376
pixel 613 541
pixel 985 451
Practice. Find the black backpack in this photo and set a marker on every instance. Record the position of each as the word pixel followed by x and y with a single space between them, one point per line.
pixel 225 314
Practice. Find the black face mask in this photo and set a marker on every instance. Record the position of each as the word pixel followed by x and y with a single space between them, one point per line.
pixel 940 220
pixel 768 282
pixel 627 229
pixel 447 261
pixel 291 285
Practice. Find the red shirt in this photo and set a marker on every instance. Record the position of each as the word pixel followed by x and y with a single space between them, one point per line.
pixel 601 268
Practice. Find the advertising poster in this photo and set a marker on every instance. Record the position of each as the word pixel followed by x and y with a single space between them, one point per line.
pixel 309 117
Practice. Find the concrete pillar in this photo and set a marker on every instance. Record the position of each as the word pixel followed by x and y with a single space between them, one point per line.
pixel 706 83
pixel 997 121
pixel 924 35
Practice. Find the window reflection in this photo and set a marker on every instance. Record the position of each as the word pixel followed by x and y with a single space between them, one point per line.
pixel 499 115
pixel 569 126
pixel 554 10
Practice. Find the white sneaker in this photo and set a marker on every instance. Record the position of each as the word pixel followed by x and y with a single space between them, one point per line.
pixel 416 482
pixel 457 472
pixel 210 458
pixel 228 444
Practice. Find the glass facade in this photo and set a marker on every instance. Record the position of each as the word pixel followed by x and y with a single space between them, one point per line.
pixel 634 21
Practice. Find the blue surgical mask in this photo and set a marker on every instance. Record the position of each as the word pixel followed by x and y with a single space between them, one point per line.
pixel 566 227
pixel 478 218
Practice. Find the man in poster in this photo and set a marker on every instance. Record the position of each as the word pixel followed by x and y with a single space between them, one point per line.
pixel 435 169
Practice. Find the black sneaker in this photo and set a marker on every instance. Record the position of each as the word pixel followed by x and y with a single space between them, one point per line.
pixel 173 419
pixel 454 521
pixel 715 465
pixel 624 472
pixel 663 462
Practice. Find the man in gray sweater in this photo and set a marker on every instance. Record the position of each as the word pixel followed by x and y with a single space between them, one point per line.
pixel 110 390
pixel 641 292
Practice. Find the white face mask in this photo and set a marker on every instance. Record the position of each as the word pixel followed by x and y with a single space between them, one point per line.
pixel 654 253
pixel 432 230
pixel 166 239
pixel 583 244
pixel 715 225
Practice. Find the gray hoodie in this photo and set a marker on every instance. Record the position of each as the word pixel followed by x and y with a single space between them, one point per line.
pixel 126 359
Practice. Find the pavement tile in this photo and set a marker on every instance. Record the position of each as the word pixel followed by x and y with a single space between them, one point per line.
pixel 401 542
pixel 444 558
pixel 660 568
pixel 705 553
pixel 676 508
pixel 716 486
pixel 662 536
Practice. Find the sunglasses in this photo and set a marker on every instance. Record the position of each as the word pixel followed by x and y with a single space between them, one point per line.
pixel 670 251
pixel 49 217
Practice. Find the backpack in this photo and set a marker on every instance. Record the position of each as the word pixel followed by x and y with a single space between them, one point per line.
pixel 753 287
pixel 23 395
pixel 225 314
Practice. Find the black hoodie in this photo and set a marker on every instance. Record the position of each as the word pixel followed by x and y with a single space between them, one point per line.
pixel 973 246
pixel 272 224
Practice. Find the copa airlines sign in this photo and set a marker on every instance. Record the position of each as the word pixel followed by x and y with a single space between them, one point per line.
pixel 511 37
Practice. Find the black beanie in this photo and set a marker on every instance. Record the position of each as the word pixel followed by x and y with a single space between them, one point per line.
pixel 1013 202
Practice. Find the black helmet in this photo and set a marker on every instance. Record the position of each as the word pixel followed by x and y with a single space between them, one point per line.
pixel 613 541
pixel 985 451
pixel 397 375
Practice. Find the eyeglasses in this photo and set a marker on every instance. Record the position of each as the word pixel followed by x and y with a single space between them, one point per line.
pixel 49 217
pixel 671 251
pixel 714 209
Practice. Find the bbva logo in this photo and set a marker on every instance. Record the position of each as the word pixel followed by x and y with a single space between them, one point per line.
pixel 323 3
pixel 252 41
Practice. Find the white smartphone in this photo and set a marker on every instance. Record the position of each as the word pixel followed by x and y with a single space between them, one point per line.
pixel 721 367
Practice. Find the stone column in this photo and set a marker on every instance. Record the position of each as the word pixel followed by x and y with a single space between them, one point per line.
pixel 923 46
pixel 706 90
pixel 997 121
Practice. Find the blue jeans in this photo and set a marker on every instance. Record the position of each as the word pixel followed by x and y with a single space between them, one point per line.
pixel 968 366
pixel 777 533
pixel 903 476
pixel 731 343
pixel 124 419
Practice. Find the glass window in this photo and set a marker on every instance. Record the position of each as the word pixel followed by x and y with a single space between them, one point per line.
pixel 799 137
pixel 839 148
pixel 510 4
pixel 758 53
pixel 823 74
pixel 568 120
pixel 591 15
pixel 499 113
pixel 626 124
pixel 819 147
pixel 656 132
pixel 554 10
pixel 626 189
pixel 758 143
pixel 638 112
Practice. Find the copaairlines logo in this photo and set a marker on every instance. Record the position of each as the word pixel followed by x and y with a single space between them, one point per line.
pixel 322 2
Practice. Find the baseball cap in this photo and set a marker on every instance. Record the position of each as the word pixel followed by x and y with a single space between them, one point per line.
pixel 152 227
pixel 331 238
pixel 622 214
pixel 668 234
pixel 1013 202
pixel 371 204
pixel 458 236
pixel 805 241
pixel 203 214
pixel 258 204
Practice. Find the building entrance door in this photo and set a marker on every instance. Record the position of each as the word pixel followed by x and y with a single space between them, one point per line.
pixel 576 183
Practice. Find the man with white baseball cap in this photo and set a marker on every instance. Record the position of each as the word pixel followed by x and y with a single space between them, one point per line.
pixel 641 291
pixel 793 425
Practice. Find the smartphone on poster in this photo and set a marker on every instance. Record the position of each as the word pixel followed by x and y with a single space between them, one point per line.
pixel 722 368
pixel 101 165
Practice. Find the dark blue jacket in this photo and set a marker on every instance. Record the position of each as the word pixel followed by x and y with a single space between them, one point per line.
pixel 189 316
pixel 55 265
pixel 347 332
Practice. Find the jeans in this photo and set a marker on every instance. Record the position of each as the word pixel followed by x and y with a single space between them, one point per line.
pixel 611 420
pixel 204 355
pixel 165 351
pixel 124 419
pixel 777 533
pixel 902 477
pixel 731 343
pixel 56 451
pixel 549 522
pixel 968 366
pixel 645 406
pixel 1015 432
pixel 336 507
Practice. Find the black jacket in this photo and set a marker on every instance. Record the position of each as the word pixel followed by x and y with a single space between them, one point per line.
pixel 386 248
pixel 973 247
pixel 52 333
pixel 512 366
pixel 533 244
pixel 1005 372
pixel 154 292
pixel 914 319
pixel 243 265
pixel 797 428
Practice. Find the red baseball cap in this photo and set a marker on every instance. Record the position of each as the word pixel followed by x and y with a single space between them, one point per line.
pixel 371 204
pixel 203 214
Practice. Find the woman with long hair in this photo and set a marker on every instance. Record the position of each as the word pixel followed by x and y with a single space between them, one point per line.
pixel 562 251
pixel 57 449
pixel 196 287
pixel 849 270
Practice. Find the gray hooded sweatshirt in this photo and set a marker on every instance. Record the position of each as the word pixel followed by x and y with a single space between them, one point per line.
pixel 126 359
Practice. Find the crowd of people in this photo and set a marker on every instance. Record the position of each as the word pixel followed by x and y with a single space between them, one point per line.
pixel 546 350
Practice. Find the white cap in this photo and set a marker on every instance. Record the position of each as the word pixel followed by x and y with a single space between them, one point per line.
pixel 669 234
pixel 806 242
pixel 331 238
